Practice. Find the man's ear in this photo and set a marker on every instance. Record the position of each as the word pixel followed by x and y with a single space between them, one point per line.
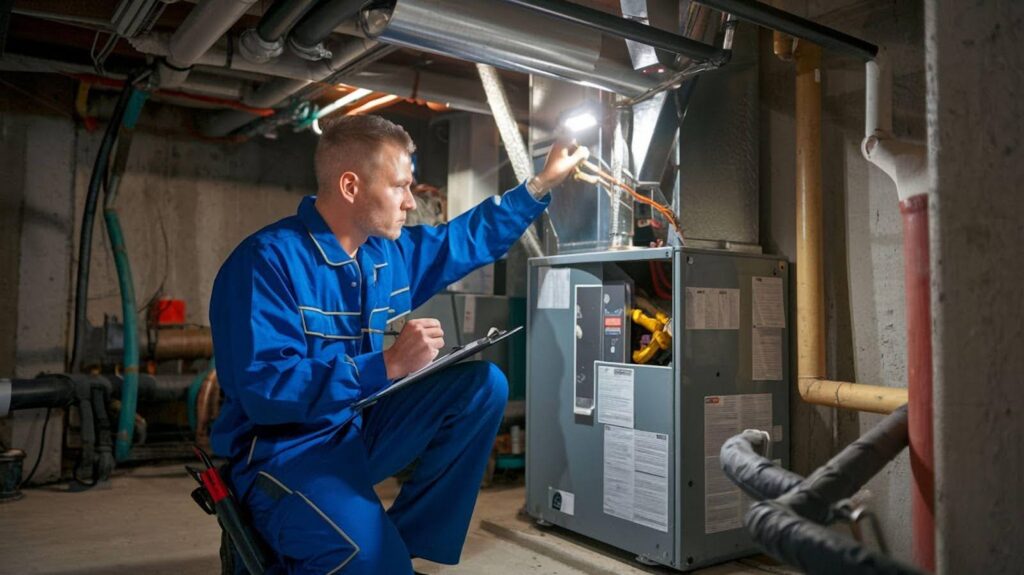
pixel 349 186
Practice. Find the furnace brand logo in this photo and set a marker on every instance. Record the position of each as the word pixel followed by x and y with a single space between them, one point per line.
pixel 712 400
pixel 562 501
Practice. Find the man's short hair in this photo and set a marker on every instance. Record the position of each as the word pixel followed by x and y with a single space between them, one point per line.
pixel 351 142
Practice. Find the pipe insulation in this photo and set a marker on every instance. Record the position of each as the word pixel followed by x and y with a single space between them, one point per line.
pixel 792 527
pixel 744 463
pixel 509 37
pixel 203 26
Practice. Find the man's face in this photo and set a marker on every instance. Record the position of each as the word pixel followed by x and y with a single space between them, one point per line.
pixel 386 196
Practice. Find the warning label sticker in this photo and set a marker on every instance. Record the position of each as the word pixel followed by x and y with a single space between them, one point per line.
pixel 724 417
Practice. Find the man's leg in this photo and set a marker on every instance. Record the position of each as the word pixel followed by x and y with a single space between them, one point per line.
pixel 449 421
pixel 318 512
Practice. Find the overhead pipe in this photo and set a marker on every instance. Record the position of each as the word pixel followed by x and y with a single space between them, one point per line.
pixel 266 41
pixel 775 19
pixel 203 26
pixel 306 40
pixel 507 36
pixel 625 28
pixel 907 164
pixel 812 381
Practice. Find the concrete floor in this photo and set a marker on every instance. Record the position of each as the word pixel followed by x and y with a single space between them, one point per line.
pixel 145 523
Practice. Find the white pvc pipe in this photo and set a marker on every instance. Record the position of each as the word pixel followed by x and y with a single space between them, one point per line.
pixel 205 24
pixel 904 161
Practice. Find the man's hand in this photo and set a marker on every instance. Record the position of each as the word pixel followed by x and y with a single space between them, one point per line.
pixel 562 160
pixel 417 345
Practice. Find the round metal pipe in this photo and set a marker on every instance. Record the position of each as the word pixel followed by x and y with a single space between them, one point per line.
pixel 810 296
pixel 43 391
pixel 810 314
pixel 183 343
pixel 764 15
pixel 623 28
pixel 511 37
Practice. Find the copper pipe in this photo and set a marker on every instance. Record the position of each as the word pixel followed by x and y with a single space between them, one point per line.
pixel 207 407
pixel 183 343
pixel 810 299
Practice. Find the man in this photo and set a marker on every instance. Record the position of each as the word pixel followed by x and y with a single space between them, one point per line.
pixel 298 313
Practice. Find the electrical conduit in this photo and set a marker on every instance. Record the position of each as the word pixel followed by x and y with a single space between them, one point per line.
pixel 130 388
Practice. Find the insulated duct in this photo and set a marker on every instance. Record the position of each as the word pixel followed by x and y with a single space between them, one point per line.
pixel 509 37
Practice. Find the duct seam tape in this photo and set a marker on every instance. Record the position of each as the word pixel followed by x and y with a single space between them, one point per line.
pixel 5 397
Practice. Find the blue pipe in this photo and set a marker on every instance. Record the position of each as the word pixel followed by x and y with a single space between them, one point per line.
pixel 130 388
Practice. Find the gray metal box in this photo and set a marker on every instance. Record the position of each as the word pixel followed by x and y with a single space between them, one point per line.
pixel 649 482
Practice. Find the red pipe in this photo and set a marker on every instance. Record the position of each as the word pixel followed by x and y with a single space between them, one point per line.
pixel 917 271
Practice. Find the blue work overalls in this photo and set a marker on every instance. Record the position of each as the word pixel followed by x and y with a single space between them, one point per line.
pixel 298 330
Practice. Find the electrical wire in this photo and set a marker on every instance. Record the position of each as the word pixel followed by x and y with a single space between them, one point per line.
pixel 599 176
pixel 42 445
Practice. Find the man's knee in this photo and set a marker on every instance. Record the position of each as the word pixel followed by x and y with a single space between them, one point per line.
pixel 491 383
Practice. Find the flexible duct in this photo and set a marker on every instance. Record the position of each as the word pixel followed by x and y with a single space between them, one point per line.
pixel 509 37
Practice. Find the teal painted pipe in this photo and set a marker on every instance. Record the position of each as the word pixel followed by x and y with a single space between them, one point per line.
pixel 130 388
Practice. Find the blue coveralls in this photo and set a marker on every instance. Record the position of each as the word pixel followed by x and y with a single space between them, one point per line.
pixel 298 331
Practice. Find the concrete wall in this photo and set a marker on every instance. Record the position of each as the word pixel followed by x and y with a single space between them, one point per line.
pixel 862 228
pixel 976 161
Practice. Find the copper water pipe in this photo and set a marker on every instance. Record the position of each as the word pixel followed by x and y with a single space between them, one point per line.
pixel 207 407
pixel 812 382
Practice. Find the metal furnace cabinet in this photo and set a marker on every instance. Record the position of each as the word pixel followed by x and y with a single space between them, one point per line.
pixel 627 454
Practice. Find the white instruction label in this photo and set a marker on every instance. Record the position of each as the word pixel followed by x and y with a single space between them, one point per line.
pixel 724 417
pixel 636 476
pixel 768 306
pixel 553 288
pixel 766 353
pixel 469 315
pixel 615 395
pixel 712 308
pixel 619 465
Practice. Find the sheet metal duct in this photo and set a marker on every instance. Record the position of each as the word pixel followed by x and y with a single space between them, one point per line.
pixel 509 37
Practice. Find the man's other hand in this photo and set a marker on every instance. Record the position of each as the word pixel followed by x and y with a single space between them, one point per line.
pixel 417 345
pixel 562 160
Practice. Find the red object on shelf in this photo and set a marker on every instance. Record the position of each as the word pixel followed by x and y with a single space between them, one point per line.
pixel 167 311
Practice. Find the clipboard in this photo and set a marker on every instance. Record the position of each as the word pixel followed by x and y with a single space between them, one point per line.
pixel 456 355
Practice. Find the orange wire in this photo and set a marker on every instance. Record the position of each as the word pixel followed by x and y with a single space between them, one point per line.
pixel 661 208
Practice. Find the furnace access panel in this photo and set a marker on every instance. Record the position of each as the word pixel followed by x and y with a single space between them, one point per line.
pixel 627 411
